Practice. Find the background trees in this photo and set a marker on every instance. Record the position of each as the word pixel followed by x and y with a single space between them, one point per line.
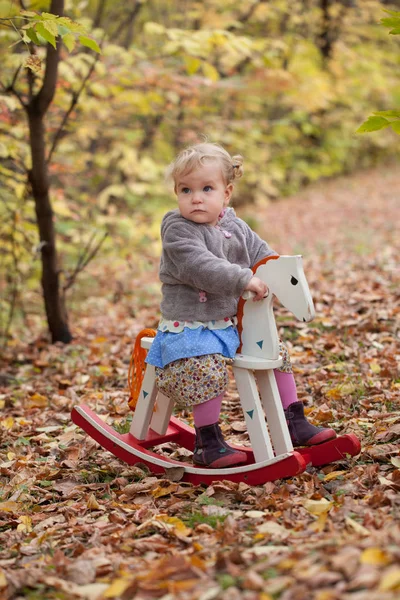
pixel 285 84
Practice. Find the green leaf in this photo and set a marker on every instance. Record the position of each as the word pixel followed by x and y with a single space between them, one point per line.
pixel 387 113
pixel 31 33
pixel 51 27
pixel 395 31
pixel 62 30
pixel 395 125
pixel 392 22
pixel 48 16
pixel 373 124
pixel 210 71
pixel 395 13
pixel 71 25
pixel 89 43
pixel 192 64
pixel 49 37
pixel 69 41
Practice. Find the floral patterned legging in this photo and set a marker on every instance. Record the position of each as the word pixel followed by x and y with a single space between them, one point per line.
pixel 191 381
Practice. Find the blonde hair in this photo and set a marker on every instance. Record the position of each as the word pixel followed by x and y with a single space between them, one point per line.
pixel 194 156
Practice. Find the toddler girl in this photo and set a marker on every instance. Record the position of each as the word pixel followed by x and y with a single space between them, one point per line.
pixel 207 255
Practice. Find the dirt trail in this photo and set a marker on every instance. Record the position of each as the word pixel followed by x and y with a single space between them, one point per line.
pixel 359 213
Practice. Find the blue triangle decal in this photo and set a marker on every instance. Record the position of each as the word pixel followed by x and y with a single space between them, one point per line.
pixel 145 394
pixel 260 343
pixel 250 413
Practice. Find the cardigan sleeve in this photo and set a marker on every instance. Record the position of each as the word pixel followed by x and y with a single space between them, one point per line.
pixel 194 265
pixel 256 247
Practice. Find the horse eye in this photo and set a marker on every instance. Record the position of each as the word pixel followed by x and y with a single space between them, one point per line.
pixel 294 281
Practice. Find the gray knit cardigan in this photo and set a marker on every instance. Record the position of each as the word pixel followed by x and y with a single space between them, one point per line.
pixel 204 258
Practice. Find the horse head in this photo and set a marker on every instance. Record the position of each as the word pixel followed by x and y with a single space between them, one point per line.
pixel 285 278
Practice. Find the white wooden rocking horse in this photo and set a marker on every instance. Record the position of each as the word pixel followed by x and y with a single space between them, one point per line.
pixel 271 455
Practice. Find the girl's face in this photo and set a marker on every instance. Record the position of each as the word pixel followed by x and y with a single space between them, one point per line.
pixel 203 193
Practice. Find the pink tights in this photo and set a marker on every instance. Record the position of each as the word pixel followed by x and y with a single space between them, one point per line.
pixel 287 388
pixel 207 413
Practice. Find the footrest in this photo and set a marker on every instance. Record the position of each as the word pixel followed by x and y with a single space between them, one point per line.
pixel 338 449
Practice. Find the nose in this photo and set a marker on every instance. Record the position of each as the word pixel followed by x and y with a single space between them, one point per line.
pixel 197 198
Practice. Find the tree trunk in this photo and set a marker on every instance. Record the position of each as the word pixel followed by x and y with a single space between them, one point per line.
pixel 325 38
pixel 39 179
pixel 38 176
pixel 99 14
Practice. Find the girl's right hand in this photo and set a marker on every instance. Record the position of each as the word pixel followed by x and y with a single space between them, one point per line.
pixel 258 287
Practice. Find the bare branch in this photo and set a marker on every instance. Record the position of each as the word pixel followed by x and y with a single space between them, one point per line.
pixel 14 79
pixel 127 24
pixel 84 259
pixel 247 15
pixel 74 102
pixel 10 89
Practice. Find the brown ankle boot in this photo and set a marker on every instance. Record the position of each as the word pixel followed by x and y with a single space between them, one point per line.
pixel 211 450
pixel 301 431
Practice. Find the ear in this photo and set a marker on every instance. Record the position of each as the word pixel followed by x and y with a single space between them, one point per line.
pixel 228 194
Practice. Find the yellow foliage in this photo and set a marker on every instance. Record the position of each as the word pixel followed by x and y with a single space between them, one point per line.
pixel 7 423
pixel 25 524
pixel 374 556
pixel 175 526
pixel 92 503
pixel 117 587
pixel 341 391
pixel 10 506
pixel 36 401
pixel 317 507
pixel 210 71
pixel 390 581
pixel 3 580
pixel 334 475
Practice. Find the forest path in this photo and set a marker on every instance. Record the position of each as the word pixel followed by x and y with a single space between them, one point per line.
pixel 82 524
pixel 359 213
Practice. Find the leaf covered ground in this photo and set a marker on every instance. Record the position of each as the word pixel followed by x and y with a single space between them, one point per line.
pixel 75 522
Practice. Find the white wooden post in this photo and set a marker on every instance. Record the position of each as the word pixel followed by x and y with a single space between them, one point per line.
pixel 274 413
pixel 145 405
pixel 162 414
pixel 253 414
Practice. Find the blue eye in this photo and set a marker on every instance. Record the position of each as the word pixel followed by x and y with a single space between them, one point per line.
pixel 185 190
pixel 207 188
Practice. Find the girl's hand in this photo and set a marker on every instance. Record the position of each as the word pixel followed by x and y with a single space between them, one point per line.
pixel 258 287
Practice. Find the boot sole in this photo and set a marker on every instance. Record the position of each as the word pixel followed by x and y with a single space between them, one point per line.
pixel 231 460
pixel 320 438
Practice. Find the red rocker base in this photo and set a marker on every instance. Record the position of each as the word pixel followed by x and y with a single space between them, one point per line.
pixel 132 451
